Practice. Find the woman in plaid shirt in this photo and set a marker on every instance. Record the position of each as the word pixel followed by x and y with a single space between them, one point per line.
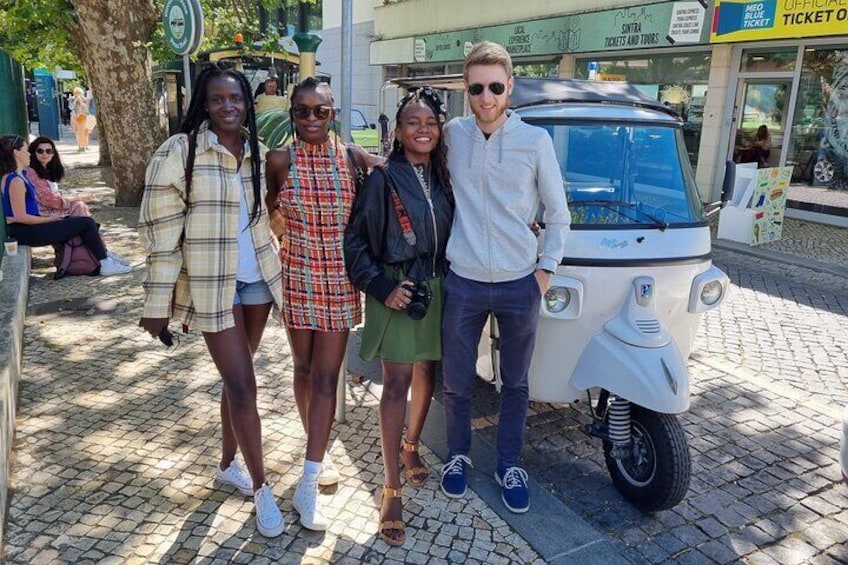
pixel 212 261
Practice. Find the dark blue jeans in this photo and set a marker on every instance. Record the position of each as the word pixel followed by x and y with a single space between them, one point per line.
pixel 467 304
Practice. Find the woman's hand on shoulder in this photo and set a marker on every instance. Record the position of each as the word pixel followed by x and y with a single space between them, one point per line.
pixel 364 158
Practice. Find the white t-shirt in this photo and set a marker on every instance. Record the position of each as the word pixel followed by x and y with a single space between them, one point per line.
pixel 248 265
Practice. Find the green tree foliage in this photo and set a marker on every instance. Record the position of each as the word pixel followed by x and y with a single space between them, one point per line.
pixel 37 33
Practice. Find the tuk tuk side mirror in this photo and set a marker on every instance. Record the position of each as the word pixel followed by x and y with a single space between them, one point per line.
pixel 726 189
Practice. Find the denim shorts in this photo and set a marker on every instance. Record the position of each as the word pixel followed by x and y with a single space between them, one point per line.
pixel 252 294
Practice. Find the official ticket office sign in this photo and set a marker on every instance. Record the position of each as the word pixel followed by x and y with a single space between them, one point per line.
pixel 182 21
pixel 778 19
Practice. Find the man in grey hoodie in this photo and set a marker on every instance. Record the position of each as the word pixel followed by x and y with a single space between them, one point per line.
pixel 502 170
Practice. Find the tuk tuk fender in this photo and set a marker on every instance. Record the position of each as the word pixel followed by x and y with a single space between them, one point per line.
pixel 655 378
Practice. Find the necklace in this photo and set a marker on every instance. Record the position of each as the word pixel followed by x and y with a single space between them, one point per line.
pixel 422 180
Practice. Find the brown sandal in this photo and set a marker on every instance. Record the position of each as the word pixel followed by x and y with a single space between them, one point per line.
pixel 415 476
pixel 387 526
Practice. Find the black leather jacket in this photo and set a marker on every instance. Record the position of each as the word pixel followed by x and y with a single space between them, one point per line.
pixel 374 239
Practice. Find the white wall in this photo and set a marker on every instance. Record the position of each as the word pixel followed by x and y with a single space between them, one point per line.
pixel 417 17
pixel 366 79
pixel 363 11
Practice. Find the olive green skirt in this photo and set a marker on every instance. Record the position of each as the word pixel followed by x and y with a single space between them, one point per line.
pixel 391 335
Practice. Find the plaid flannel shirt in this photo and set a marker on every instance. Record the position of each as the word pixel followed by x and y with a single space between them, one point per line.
pixel 192 251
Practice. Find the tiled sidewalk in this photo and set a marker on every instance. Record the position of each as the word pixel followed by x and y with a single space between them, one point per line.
pixel 117 440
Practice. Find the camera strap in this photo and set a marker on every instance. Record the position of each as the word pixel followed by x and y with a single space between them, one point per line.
pixel 404 220
pixel 403 217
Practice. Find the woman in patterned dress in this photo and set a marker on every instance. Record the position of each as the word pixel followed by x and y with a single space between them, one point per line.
pixel 312 183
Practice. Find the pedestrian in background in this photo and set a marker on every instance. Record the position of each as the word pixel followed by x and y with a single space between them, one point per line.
pixel 312 182
pixel 270 98
pixel 213 263
pixel 502 171
pixel 395 252
pixel 82 120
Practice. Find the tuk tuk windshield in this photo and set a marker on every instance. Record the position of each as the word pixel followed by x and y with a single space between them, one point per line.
pixel 626 175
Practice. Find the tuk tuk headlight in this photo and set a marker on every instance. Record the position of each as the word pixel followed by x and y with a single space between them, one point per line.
pixel 557 299
pixel 709 289
pixel 711 293
pixel 563 299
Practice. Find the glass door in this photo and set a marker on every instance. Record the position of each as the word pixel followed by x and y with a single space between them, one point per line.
pixel 760 121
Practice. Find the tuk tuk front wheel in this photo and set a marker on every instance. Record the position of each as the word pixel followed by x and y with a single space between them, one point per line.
pixel 655 474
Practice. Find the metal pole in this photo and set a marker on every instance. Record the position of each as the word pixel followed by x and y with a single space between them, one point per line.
pixel 346 100
pixel 347 66
pixel 187 76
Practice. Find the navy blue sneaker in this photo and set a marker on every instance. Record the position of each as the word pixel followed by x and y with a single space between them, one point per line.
pixel 515 493
pixel 454 483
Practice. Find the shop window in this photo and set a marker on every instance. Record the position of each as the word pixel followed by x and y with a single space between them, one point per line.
pixel 818 147
pixel 769 60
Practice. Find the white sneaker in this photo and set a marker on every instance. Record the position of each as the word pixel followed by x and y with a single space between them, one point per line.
pixel 117 258
pixel 305 501
pixel 235 475
pixel 269 519
pixel 329 472
pixel 110 266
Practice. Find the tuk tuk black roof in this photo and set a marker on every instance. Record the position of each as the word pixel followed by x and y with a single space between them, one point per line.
pixel 538 91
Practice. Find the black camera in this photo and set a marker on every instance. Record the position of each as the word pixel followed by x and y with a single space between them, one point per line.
pixel 419 302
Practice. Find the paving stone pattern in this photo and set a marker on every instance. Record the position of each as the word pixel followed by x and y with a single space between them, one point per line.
pixel 769 380
pixel 117 441
pixel 117 438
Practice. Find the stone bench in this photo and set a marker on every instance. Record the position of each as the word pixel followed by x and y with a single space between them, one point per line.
pixel 14 290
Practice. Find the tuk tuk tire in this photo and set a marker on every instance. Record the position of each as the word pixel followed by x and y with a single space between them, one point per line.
pixel 661 479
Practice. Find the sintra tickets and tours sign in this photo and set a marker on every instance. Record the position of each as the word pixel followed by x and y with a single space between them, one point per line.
pixel 660 24
pixel 775 19
pixel 182 21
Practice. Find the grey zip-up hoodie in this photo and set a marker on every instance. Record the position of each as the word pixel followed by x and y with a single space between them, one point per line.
pixel 498 184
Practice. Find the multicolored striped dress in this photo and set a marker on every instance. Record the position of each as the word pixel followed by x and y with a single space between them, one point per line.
pixel 317 199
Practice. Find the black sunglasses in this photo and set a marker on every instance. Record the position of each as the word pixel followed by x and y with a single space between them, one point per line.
pixel 45 150
pixel 496 88
pixel 302 111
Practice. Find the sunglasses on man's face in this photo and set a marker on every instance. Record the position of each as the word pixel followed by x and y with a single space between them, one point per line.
pixel 496 88
pixel 302 111
pixel 44 150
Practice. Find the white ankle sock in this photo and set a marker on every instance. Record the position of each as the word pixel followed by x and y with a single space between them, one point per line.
pixel 312 467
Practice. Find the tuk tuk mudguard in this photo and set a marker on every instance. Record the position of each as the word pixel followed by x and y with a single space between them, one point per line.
pixel 653 377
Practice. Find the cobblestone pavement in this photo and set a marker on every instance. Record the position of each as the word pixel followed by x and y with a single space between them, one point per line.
pixel 113 461
pixel 769 379
pixel 117 441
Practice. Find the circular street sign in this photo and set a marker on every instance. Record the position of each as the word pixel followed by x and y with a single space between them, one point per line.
pixel 179 21
pixel 198 26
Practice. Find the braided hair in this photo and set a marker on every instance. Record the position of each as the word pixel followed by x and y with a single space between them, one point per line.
pixel 197 115
pixel 439 155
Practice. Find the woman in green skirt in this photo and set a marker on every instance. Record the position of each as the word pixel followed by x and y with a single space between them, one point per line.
pixel 395 252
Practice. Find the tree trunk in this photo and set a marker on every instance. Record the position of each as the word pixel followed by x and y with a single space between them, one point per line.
pixel 113 37
pixel 105 159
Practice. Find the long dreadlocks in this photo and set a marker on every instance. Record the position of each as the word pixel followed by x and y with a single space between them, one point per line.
pixel 197 114
pixel 439 155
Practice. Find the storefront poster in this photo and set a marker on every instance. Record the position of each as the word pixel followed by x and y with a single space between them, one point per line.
pixel 775 19
pixel 769 204
pixel 652 25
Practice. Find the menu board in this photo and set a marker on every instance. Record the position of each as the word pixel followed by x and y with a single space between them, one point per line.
pixel 768 203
